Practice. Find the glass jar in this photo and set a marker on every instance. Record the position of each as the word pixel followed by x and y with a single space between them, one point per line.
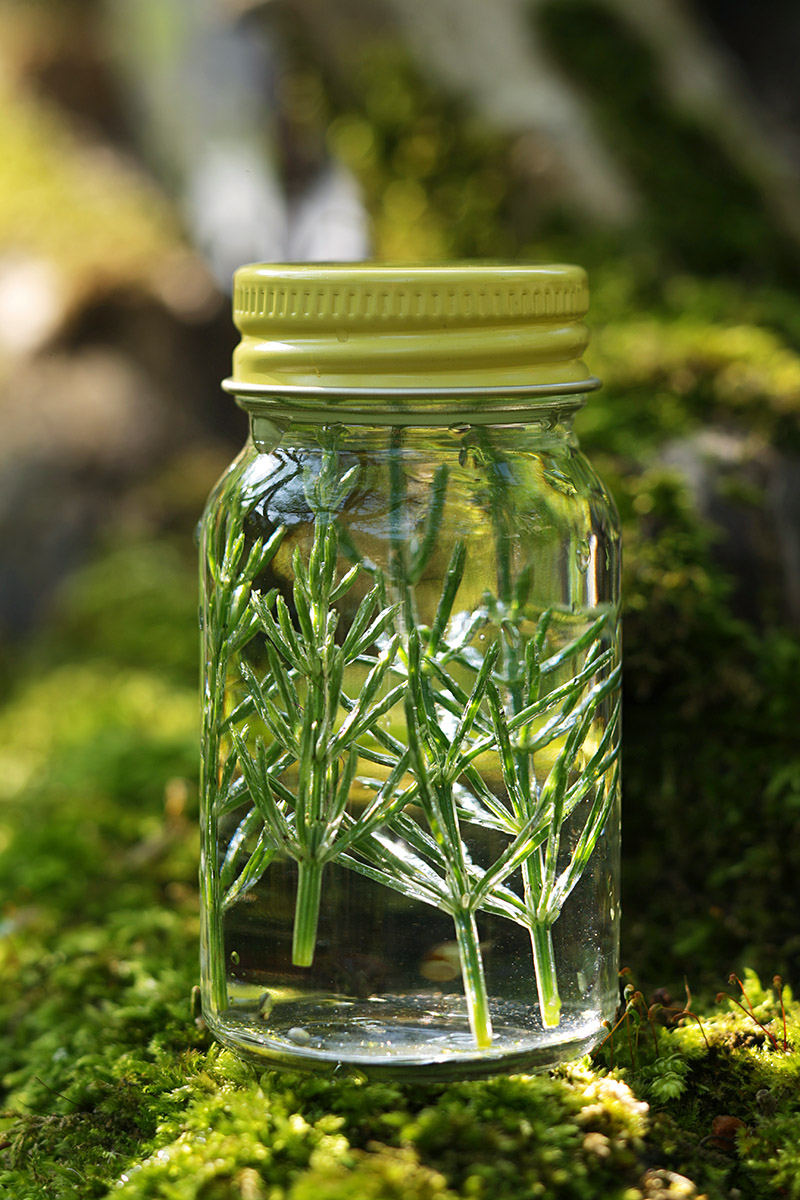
pixel 410 787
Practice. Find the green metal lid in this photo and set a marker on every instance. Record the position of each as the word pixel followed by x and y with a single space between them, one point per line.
pixel 407 338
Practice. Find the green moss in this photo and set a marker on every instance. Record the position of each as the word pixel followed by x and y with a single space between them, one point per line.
pixel 669 375
pixel 724 1125
pixel 98 780
pixel 711 819
pixel 438 181
pixel 384 1174
pixel 223 1130
pixel 700 209
pixel 111 1085
pixel 162 1116
pixel 135 604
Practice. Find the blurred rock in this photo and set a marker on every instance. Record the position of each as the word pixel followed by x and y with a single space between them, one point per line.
pixel 750 492
pixel 94 411
pixel 78 429
pixel 91 413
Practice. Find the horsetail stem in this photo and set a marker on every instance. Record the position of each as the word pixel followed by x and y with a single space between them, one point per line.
pixel 306 918
pixel 546 980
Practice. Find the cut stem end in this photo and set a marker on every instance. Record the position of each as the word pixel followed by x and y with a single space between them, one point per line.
pixel 469 951
pixel 546 979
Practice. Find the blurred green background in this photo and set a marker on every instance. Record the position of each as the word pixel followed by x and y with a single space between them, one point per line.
pixel 145 149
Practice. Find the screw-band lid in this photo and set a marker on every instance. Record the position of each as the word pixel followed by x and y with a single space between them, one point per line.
pixel 367 336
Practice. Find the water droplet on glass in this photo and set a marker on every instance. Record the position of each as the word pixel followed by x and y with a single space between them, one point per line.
pixel 342 335
pixel 235 957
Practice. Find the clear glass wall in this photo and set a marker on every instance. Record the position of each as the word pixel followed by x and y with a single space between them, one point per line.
pixel 411 748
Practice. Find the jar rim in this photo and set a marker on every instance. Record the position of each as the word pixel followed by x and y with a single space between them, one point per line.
pixel 465 407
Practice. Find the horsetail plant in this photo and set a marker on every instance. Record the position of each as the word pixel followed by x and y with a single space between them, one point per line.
pixel 544 888
pixel 430 755
pixel 300 703
pixel 433 865
pixel 522 674
pixel 230 626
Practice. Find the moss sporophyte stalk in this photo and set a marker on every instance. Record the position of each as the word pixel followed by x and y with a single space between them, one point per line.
pixel 411 739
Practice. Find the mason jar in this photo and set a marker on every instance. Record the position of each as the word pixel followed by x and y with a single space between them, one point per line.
pixel 410 779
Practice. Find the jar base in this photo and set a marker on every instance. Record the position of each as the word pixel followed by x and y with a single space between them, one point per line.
pixel 408 1038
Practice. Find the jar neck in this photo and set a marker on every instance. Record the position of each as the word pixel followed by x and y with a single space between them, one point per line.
pixel 413 406
pixel 551 430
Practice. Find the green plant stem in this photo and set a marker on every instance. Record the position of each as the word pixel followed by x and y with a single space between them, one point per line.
pixel 398 572
pixel 215 946
pixel 480 1021
pixel 306 913
pixel 541 937
pixel 546 979
pixel 542 946
pixel 313 804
